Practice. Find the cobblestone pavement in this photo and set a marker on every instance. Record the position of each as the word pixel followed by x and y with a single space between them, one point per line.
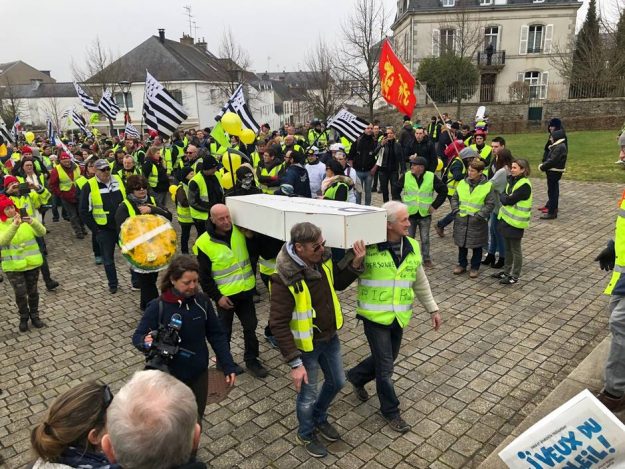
pixel 500 351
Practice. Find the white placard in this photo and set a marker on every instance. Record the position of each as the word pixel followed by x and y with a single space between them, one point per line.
pixel 580 434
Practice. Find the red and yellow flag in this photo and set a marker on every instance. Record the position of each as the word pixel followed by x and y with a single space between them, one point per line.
pixel 396 82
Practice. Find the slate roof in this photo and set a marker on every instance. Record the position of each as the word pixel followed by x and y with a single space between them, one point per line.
pixel 421 5
pixel 45 90
pixel 167 61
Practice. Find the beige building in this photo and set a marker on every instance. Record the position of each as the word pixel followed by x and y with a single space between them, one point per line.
pixel 508 40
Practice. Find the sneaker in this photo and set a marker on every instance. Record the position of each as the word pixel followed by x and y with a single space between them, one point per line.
pixel 614 404
pixel 549 216
pixel 360 391
pixel 499 275
pixel 133 288
pixel 313 446
pixel 38 323
pixel 255 367
pixel 98 260
pixel 440 231
pixel 52 285
pixel 508 280
pixel 428 264
pixel 327 431
pixel 500 263
pixel 619 162
pixel 23 326
pixel 398 424
pixel 459 270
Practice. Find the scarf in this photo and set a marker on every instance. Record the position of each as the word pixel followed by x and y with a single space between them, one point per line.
pixel 137 201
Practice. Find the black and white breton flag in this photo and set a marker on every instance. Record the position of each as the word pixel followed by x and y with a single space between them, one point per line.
pixel 350 125
pixel 160 110
pixel 50 128
pixel 108 106
pixel 87 101
pixel 236 104
pixel 5 134
pixel 131 131
pixel 80 123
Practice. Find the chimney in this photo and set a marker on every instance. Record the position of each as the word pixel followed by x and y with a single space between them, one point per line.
pixel 161 35
pixel 201 45
pixel 46 72
pixel 187 40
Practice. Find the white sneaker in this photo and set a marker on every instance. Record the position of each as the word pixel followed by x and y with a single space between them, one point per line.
pixel 619 162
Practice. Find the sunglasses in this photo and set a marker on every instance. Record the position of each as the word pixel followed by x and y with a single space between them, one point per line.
pixel 141 188
pixel 321 245
pixel 104 169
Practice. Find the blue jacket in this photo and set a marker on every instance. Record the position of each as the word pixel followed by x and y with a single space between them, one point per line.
pixel 297 176
pixel 199 323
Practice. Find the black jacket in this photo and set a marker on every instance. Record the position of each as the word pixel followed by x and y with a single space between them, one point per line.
pixel 215 194
pixel 555 158
pixel 393 157
pixel 407 139
pixel 426 149
pixel 362 153
pixel 163 180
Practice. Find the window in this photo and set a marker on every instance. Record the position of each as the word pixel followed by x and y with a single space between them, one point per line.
pixel 177 95
pixel 537 82
pixel 486 2
pixel 119 100
pixel 491 37
pixel 535 38
pixel 448 3
pixel 447 41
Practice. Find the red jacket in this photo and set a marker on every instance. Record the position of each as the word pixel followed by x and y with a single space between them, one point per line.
pixel 54 184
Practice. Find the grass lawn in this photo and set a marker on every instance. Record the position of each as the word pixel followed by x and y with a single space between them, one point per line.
pixel 591 154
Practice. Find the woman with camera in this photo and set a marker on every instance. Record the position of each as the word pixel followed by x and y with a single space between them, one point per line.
pixel 138 202
pixel 179 287
pixel 21 259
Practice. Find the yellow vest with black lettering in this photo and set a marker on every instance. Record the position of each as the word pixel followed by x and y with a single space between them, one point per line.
pixel 452 183
pixel 519 214
pixel 97 207
pixel 22 252
pixel 418 198
pixel 302 319
pixel 619 248
pixel 385 292
pixel 472 202
pixel 65 183
pixel 184 213
pixel 230 265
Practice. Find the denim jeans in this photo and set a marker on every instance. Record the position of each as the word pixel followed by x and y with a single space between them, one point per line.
pixel 615 365
pixel 553 190
pixel 367 180
pixel 107 239
pixel 384 342
pixel 424 234
pixel 312 405
pixel 495 241
pixel 476 258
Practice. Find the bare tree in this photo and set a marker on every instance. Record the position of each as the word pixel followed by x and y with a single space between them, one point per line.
pixel 52 106
pixel 98 71
pixel 363 32
pixel 325 92
pixel 236 61
pixel 462 32
pixel 11 105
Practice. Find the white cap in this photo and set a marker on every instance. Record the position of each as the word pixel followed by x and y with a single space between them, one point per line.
pixel 336 147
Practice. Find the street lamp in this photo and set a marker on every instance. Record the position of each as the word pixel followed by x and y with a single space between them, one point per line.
pixel 125 87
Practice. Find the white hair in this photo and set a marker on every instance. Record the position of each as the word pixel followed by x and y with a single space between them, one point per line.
pixel 151 422
pixel 393 207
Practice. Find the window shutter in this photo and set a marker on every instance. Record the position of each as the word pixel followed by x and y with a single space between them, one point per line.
pixel 483 32
pixel 436 42
pixel 544 81
pixel 499 37
pixel 520 76
pixel 548 39
pixel 525 30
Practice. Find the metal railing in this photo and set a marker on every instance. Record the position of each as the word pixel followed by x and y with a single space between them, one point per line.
pixel 491 59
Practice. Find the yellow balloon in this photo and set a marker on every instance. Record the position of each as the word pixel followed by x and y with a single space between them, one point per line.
pixel 30 137
pixel 439 166
pixel 231 161
pixel 248 136
pixel 231 123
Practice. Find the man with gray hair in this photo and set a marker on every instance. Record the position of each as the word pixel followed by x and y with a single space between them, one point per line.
pixel 152 424
pixel 304 316
pixel 393 276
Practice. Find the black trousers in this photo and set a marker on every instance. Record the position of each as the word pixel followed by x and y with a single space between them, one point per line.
pixel 389 177
pixel 200 225
pixel 199 386
pixel 185 235
pixel 147 288
pixel 553 191
pixel 246 312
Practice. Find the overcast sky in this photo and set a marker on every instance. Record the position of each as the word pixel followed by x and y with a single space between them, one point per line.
pixel 276 33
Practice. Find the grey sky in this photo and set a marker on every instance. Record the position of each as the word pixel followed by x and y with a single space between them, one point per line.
pixel 276 33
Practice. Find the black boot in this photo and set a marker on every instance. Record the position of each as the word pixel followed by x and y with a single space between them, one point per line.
pixel 489 260
pixel 34 319
pixel 500 262
pixel 23 321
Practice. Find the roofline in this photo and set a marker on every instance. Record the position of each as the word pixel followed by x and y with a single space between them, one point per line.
pixel 523 6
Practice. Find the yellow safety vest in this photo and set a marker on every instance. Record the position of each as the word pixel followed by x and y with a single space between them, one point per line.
pixel 153 177
pixel 267 266
pixel 619 247
pixel 472 202
pixel 452 183
pixel 98 212
pixel 419 199
pixel 273 172
pixel 201 184
pixel 230 265
pixel 65 183
pixel 301 323
pixel 131 209
pixel 22 252
pixel 519 214
pixel 184 213
pixel 385 292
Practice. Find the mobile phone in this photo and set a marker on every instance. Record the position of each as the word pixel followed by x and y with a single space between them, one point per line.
pixel 23 188
pixel 23 213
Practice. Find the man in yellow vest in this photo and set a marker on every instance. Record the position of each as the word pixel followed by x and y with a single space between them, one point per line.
pixel 392 278
pixel 418 188
pixel 483 149
pixel 99 199
pixel 226 276
pixel 613 258
pixel 305 315
pixel 204 191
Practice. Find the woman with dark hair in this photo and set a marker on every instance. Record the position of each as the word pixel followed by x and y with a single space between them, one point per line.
pixel 499 179
pixel 514 218
pixel 336 185
pixel 198 323
pixel 72 429
pixel 138 202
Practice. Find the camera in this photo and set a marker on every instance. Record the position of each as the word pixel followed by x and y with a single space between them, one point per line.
pixel 165 345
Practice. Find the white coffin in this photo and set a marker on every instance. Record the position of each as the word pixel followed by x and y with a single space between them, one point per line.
pixel 341 223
